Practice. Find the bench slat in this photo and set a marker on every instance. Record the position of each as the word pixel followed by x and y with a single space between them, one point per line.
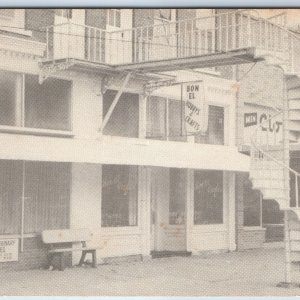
pixel 71 249
pixel 66 236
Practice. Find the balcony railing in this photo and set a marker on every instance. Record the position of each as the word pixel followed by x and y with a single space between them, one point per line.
pixel 193 37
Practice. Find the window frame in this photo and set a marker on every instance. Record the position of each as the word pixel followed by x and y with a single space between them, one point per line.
pixel 111 17
pixel 15 24
pixel 127 228
pixel 21 128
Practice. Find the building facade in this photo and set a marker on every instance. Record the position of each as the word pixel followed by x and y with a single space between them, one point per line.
pixel 92 135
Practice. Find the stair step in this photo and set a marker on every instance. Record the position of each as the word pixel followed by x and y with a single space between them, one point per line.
pixel 293 82
pixel 294 94
pixel 294 104
pixel 295 245
pixel 294 115
pixel 295 235
pixel 294 125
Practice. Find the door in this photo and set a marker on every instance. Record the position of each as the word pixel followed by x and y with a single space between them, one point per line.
pixel 119 36
pixel 69 33
pixel 168 198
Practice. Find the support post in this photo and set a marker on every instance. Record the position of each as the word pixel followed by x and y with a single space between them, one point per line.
pixel 286 160
pixel 115 101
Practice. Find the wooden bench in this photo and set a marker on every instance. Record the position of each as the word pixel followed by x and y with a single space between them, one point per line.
pixel 65 240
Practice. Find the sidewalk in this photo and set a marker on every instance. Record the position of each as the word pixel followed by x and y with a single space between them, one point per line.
pixel 249 273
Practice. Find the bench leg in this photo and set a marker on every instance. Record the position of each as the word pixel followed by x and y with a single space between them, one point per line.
pixel 94 259
pixel 81 262
pixel 62 265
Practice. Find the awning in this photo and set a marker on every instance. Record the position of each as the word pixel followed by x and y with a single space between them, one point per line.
pixel 123 151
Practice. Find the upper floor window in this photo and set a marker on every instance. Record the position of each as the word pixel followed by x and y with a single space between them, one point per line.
pixel 164 121
pixel 65 13
pixel 114 17
pixel 13 20
pixel 163 14
pixel 26 103
pixel 215 131
pixel 124 120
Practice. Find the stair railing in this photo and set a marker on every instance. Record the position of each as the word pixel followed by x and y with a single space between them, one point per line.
pixel 263 142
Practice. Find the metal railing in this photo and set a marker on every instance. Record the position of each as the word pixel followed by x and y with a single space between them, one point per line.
pixel 267 146
pixel 192 37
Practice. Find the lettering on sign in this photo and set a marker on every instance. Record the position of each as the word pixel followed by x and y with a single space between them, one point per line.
pixel 250 119
pixel 9 249
pixel 195 117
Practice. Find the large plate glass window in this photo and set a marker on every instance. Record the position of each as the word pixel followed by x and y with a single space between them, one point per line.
pixel 119 195
pixel 208 197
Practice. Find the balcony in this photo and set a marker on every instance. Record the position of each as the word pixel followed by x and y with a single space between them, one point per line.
pixel 229 38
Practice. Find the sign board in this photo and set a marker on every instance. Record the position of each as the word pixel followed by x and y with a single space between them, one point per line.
pixel 270 129
pixel 9 250
pixel 196 111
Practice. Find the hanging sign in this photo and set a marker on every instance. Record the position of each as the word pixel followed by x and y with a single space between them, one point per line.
pixel 9 250
pixel 195 112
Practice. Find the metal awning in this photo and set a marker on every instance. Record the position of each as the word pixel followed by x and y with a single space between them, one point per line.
pixel 123 152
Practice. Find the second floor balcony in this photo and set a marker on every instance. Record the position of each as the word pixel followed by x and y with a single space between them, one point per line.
pixel 228 38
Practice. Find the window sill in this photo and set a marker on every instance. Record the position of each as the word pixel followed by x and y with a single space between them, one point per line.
pixel 17 30
pixel 36 131
pixel 254 228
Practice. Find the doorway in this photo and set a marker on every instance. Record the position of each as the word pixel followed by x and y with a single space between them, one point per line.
pixel 168 201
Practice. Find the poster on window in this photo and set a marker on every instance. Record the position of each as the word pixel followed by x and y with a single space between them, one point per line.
pixel 195 107
pixel 8 250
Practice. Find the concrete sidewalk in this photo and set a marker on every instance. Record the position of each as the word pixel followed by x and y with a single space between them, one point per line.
pixel 249 273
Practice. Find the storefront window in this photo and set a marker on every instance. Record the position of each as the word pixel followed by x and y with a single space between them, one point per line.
pixel 215 131
pixel 252 205
pixel 10 196
pixel 177 197
pixel 119 195
pixel 46 199
pixel 208 197
pixel 47 196
pixel 124 120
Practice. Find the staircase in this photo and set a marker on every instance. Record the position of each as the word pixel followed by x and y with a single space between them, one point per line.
pixel 270 172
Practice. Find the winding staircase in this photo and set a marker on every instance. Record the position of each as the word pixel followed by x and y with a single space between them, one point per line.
pixel 236 37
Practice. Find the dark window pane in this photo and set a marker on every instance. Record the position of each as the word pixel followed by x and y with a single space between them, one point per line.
pixel 208 197
pixel 215 131
pixel 176 127
pixel 124 120
pixel 251 205
pixel 177 197
pixel 156 118
pixel 47 105
pixel 47 196
pixel 8 92
pixel 119 196
pixel 10 196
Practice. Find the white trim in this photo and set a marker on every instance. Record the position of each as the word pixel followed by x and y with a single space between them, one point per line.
pixel 20 45
pixel 35 131
pixel 254 228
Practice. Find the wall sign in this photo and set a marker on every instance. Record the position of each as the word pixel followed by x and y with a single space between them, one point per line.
pixel 196 112
pixel 270 129
pixel 9 250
